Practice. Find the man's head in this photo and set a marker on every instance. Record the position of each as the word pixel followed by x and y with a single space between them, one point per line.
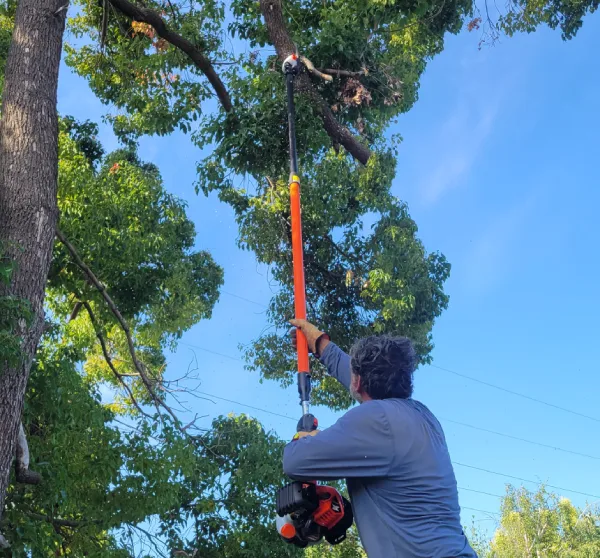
pixel 382 367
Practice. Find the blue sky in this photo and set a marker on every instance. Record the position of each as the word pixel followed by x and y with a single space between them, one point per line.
pixel 497 166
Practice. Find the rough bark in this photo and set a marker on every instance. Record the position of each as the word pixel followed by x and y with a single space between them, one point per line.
pixel 28 183
pixel 280 37
pixel 146 15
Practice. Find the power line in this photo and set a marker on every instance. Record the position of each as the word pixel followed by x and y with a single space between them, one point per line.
pixel 246 299
pixel 456 422
pixel 210 351
pixel 467 377
pixel 516 393
pixel 524 480
pixel 248 406
pixel 461 375
pixel 478 510
pixel 480 492
pixel 520 439
pixel 454 462
pixel 510 436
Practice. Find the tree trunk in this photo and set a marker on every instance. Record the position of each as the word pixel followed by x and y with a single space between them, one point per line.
pixel 28 184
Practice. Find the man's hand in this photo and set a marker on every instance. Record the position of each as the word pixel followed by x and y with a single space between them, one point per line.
pixel 299 435
pixel 316 339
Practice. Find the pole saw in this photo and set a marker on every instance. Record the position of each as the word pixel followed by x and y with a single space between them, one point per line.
pixel 306 511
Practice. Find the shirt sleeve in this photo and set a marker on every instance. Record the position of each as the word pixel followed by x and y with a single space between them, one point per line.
pixel 337 363
pixel 358 445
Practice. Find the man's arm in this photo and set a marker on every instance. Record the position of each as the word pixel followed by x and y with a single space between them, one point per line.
pixel 336 360
pixel 358 445
pixel 338 364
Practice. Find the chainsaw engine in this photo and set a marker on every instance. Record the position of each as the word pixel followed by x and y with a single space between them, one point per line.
pixel 308 512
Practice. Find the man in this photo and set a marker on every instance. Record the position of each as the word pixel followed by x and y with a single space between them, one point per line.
pixel 391 450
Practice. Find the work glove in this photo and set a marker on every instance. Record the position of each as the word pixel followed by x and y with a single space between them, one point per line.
pixel 299 435
pixel 314 336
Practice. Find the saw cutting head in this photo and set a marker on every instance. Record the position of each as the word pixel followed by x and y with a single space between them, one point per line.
pixel 291 65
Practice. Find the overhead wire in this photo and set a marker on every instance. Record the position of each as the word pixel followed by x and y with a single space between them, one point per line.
pixel 480 492
pixel 244 298
pixel 248 406
pixel 458 374
pixel 483 382
pixel 489 471
pixel 210 351
pixel 516 393
pixel 478 510
pixel 467 425
pixel 510 436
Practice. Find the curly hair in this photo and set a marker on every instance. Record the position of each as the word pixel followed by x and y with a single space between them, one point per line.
pixel 385 365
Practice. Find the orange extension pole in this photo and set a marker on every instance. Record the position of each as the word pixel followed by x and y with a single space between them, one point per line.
pixel 298 258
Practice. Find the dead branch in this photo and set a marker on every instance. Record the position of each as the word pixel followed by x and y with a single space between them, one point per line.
pixel 311 68
pixel 344 73
pixel 57 522
pixel 22 472
pixel 280 37
pixel 146 15
pixel 120 377
pixel 158 401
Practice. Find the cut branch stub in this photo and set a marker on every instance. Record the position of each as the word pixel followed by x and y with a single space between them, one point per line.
pixel 284 45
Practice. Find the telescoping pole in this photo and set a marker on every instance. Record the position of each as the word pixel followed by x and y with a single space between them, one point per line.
pixel 290 69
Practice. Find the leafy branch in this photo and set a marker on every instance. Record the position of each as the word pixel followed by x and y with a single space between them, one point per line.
pixel 153 18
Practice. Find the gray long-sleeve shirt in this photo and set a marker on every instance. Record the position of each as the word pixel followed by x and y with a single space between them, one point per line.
pixel 400 479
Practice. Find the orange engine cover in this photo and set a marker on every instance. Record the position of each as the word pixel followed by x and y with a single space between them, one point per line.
pixel 331 507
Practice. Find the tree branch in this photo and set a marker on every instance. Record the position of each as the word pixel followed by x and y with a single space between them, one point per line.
pixel 108 359
pixel 345 73
pixel 158 401
pixel 280 37
pixel 146 15
pixel 57 522
pixel 75 311
pixel 311 68
pixel 22 472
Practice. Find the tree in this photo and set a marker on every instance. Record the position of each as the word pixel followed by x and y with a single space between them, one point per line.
pixel 28 211
pixel 542 525
pixel 140 243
